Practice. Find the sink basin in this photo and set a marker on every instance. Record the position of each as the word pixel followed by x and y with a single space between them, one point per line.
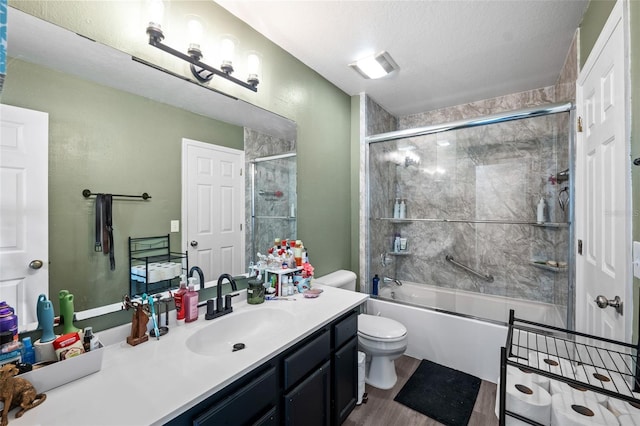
pixel 251 327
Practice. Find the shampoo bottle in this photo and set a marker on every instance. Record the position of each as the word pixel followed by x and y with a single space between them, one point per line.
pixel 403 210
pixel 190 301
pixel 376 284
pixel 540 211
pixel 179 300
pixel 396 209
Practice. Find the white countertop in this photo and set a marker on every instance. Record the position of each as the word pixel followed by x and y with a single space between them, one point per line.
pixel 158 380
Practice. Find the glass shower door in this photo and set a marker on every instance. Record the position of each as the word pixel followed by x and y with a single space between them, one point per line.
pixel 273 201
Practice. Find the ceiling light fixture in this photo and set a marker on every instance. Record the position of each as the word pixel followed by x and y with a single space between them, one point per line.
pixel 201 71
pixel 375 66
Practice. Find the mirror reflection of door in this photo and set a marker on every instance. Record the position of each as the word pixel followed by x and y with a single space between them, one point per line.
pixel 213 222
pixel 24 231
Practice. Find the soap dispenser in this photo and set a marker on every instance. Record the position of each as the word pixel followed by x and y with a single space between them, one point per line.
pixel 190 301
pixel 178 297
pixel 541 210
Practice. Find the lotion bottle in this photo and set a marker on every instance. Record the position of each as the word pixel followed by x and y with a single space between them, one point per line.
pixel 540 210
pixel 403 210
pixel 396 209
pixel 190 301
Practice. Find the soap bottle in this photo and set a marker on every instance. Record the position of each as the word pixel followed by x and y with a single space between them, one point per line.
pixel 178 297
pixel 403 210
pixel 396 209
pixel 376 284
pixel 87 339
pixel 28 353
pixel 190 301
pixel 540 210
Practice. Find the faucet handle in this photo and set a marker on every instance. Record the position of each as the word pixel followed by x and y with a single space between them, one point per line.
pixel 227 303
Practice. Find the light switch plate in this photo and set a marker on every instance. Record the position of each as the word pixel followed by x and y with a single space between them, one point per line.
pixel 636 259
pixel 175 226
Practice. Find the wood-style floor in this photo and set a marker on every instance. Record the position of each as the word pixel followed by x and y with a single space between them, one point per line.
pixel 382 410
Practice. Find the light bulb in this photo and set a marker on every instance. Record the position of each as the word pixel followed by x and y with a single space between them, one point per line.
pixel 253 68
pixel 196 32
pixel 227 47
pixel 156 13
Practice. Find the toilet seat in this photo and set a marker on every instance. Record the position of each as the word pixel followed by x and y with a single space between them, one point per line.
pixel 380 328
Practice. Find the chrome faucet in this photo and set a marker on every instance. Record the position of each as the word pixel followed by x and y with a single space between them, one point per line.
pixel 200 274
pixel 395 281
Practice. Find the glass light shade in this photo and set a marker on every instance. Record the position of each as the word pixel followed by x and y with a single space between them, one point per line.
pixel 227 49
pixel 196 32
pixel 156 13
pixel 253 64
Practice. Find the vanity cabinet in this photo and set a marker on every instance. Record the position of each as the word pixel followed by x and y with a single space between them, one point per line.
pixel 312 383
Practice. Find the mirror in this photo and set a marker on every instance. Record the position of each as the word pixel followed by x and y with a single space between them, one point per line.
pixel 116 126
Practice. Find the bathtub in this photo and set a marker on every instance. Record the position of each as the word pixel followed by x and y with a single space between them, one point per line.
pixel 461 342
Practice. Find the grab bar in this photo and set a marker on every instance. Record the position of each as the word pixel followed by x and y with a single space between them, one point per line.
pixel 487 277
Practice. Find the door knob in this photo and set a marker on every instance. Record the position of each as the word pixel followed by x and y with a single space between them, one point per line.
pixel 615 303
pixel 35 264
pixel 194 243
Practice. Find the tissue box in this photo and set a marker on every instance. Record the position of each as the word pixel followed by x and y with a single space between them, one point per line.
pixel 63 372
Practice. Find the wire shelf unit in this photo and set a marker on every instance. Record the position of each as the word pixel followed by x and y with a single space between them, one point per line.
pixel 581 360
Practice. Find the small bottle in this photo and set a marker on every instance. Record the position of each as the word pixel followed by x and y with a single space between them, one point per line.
pixel 190 301
pixel 396 209
pixel 86 338
pixel 178 297
pixel 540 210
pixel 376 284
pixel 28 353
pixel 290 286
pixel 403 210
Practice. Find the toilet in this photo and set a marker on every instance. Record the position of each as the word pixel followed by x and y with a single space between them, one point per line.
pixel 382 339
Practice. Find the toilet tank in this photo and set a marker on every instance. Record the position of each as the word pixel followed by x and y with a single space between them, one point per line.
pixel 342 279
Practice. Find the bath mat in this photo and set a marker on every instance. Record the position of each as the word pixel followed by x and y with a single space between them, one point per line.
pixel 441 393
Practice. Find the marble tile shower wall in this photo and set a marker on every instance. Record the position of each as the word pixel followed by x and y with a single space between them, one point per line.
pixel 493 172
pixel 278 175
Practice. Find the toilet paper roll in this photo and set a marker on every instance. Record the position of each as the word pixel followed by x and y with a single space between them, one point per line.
pixel 629 420
pixel 619 407
pixel 571 409
pixel 552 364
pixel 526 374
pixel 44 351
pixel 562 387
pixel 526 399
pixel 603 378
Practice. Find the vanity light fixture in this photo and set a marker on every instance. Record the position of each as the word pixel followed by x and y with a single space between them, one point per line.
pixel 201 71
pixel 375 66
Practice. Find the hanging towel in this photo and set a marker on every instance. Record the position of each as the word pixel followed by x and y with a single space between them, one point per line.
pixel 104 227
pixel 99 202
pixel 108 224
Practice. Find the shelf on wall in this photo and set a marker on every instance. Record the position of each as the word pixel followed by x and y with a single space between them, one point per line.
pixel 399 253
pixel 488 221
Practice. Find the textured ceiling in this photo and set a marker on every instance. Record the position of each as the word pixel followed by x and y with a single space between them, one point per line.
pixel 449 52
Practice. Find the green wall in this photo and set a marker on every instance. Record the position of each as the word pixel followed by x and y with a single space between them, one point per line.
pixel 111 141
pixel 593 21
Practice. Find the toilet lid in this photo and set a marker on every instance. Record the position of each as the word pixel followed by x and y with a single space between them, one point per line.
pixel 380 327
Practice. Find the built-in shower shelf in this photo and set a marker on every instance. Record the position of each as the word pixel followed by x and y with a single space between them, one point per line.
pixel 275 217
pixel 489 221
pixel 548 267
pixel 552 225
pixel 399 253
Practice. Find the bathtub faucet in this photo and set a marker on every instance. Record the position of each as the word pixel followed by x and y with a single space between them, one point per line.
pixel 395 281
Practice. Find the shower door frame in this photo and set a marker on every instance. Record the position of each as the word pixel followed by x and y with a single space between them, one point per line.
pixel 520 114
pixel 253 194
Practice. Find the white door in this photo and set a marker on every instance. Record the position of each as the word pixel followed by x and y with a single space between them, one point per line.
pixel 213 208
pixel 24 222
pixel 603 188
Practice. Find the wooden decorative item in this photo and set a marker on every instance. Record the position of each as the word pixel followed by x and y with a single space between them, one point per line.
pixel 138 322
pixel 16 391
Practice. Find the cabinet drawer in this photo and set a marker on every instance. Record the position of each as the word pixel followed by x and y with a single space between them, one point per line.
pixel 301 362
pixel 244 406
pixel 345 330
